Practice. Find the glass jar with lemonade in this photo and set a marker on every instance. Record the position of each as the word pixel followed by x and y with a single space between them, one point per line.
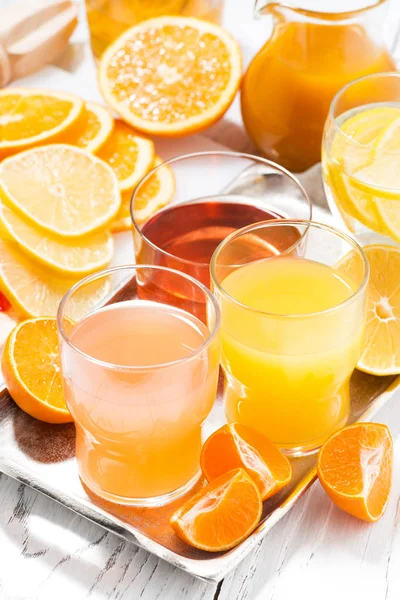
pixel 309 57
pixel 361 158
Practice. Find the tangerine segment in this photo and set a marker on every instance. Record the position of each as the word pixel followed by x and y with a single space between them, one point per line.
pixel 238 446
pixel 33 379
pixel 32 116
pixel 171 75
pixel 62 189
pixel 355 469
pixel 129 155
pixel 221 515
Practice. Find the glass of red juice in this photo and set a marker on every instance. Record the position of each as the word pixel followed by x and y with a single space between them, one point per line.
pixel 215 193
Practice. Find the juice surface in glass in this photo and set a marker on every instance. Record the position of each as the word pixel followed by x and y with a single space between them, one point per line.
pixel 361 169
pixel 108 19
pixel 287 363
pixel 139 429
pixel 290 83
pixel 191 231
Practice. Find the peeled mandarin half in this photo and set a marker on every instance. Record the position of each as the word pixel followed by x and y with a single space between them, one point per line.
pixel 129 154
pixel 64 190
pixel 171 75
pixel 381 346
pixel 355 469
pixel 238 446
pixel 33 379
pixel 221 515
pixel 29 117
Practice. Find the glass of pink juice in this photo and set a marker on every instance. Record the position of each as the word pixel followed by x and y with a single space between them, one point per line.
pixel 214 194
pixel 140 377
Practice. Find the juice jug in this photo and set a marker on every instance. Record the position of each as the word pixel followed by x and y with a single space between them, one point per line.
pixel 288 87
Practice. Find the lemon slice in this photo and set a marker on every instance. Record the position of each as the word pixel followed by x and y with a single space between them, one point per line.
pixel 65 190
pixel 34 292
pixel 129 155
pixel 70 258
pixel 381 347
pixel 361 169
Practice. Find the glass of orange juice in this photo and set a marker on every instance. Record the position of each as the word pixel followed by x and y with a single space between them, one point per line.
pixel 292 319
pixel 140 377
pixel 314 50
pixel 107 19
pixel 361 158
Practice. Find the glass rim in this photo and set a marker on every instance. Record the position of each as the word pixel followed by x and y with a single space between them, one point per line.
pixel 344 89
pixel 309 225
pixel 134 268
pixel 326 15
pixel 194 155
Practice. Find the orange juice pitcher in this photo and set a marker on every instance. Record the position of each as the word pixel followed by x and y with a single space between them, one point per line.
pixel 309 57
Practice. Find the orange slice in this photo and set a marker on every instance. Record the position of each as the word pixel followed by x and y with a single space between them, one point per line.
pixel 355 469
pixel 171 75
pixel 152 195
pixel 93 128
pixel 64 190
pixel 381 346
pixel 238 446
pixel 129 155
pixel 29 117
pixel 33 379
pixel 221 515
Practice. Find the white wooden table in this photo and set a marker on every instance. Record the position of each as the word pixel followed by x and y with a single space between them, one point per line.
pixel 316 552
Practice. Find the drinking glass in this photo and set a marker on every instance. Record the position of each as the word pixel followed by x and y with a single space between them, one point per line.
pixel 292 299
pixel 215 194
pixel 140 377
pixel 361 158
pixel 108 19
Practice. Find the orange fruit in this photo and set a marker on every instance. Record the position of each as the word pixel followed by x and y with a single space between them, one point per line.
pixel 381 346
pixel 151 195
pixel 93 128
pixel 29 117
pixel 355 469
pixel 171 75
pixel 238 446
pixel 33 379
pixel 220 515
pixel 129 155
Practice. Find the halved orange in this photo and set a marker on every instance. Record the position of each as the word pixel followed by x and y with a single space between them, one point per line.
pixel 171 75
pixel 129 155
pixel 151 195
pixel 29 117
pixel 93 128
pixel 355 469
pixel 381 346
pixel 220 515
pixel 238 446
pixel 33 379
